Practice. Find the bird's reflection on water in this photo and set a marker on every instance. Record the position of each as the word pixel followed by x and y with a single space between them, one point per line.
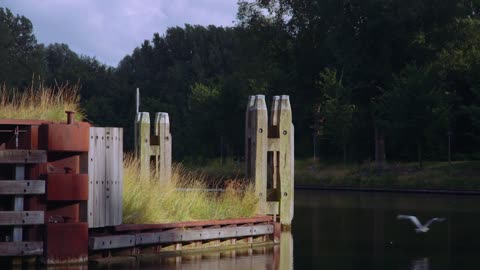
pixel 420 264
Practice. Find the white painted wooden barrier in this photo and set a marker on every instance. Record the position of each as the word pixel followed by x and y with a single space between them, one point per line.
pixel 105 176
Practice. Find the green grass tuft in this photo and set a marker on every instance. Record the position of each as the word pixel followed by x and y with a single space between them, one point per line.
pixel 146 201
pixel 41 103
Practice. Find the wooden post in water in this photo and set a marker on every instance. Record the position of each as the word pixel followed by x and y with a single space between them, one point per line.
pixel 143 143
pixel 269 155
pixel 158 145
pixel 260 131
pixel 163 151
pixel 285 127
pixel 248 136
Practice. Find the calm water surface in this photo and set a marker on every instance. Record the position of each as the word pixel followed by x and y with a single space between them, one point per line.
pixel 356 230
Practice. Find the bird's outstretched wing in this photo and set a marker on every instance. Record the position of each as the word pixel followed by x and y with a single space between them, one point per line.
pixel 413 219
pixel 434 220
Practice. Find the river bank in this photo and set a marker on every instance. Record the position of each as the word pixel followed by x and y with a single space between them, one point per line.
pixel 434 175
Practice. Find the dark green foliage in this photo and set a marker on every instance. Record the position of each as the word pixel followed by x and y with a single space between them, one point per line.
pixel 406 69
pixel 20 55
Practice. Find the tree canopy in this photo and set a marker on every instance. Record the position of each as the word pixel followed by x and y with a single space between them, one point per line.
pixel 358 73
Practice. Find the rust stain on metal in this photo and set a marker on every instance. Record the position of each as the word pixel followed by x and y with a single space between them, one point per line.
pixel 66 243
pixel 67 187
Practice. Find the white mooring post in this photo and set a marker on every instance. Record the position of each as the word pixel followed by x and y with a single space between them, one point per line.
pixel 158 146
pixel 269 154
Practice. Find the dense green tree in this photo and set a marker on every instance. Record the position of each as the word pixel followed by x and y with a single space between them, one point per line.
pixel 21 57
pixel 334 112
pixel 409 73
pixel 413 109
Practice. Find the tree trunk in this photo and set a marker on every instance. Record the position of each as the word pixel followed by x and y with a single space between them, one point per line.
pixel 344 155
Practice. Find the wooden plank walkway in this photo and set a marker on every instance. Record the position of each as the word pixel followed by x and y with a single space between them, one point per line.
pixel 178 236
pixel 191 224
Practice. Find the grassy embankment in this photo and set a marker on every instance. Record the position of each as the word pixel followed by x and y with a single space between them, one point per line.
pixel 146 201
pixel 42 103
pixel 461 175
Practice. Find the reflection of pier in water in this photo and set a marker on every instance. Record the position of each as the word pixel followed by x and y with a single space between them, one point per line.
pixel 278 257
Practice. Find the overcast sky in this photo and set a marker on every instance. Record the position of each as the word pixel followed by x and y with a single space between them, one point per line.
pixel 110 29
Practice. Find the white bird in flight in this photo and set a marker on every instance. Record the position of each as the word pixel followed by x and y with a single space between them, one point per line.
pixel 419 227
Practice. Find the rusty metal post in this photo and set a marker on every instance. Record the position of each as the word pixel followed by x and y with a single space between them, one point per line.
pixel 70 117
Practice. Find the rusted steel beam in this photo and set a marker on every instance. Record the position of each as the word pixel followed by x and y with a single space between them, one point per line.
pixel 21 217
pixel 21 248
pixel 189 224
pixel 64 138
pixel 14 187
pixel 22 156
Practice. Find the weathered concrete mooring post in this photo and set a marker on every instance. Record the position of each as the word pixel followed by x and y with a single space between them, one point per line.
pixel 269 152
pixel 158 145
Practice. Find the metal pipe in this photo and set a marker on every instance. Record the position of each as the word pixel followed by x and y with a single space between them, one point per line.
pixel 70 117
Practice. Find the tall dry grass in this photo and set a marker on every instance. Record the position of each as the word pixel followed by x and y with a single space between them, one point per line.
pixel 184 199
pixel 41 103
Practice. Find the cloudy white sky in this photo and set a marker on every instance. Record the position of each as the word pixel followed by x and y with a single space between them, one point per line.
pixel 110 29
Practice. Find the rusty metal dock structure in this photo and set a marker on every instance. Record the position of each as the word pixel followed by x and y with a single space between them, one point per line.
pixel 61 189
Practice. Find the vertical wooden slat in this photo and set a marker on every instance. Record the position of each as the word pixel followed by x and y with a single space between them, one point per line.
pixel 101 173
pixel 119 189
pixel 168 149
pixel 18 203
pixel 248 136
pixel 273 132
pixel 114 175
pixel 286 162
pixel 105 177
pixel 143 147
pixel 260 145
pixel 97 179
pixel 109 175
pixel 91 177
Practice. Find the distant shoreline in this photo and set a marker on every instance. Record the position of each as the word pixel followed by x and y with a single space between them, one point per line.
pixel 389 190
